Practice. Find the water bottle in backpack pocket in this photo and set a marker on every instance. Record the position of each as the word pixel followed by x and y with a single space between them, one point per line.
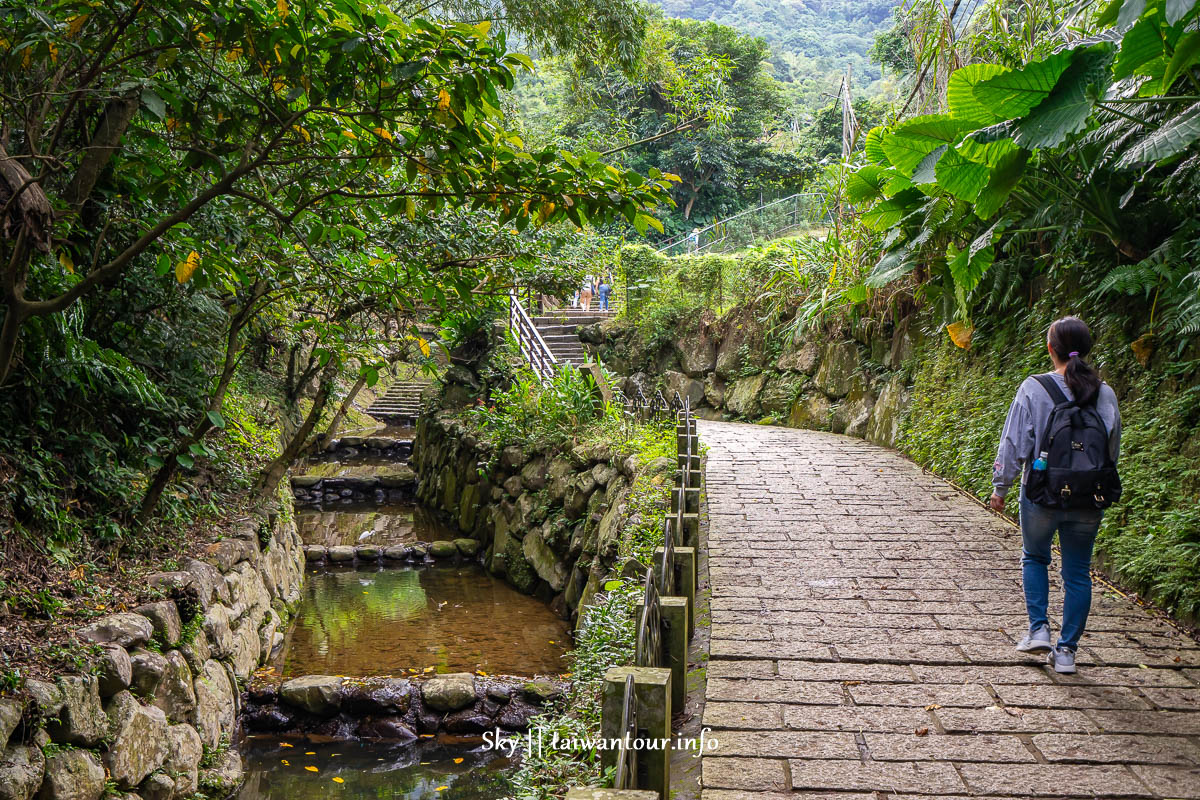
pixel 1074 469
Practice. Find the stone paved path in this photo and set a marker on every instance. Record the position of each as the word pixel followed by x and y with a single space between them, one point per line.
pixel 863 622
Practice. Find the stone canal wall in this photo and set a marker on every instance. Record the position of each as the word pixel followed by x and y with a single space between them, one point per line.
pixel 154 719
pixel 548 520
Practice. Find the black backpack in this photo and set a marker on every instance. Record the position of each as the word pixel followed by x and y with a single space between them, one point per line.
pixel 1079 472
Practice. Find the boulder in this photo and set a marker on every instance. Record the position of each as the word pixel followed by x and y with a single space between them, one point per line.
pixel 804 360
pixel 215 709
pixel 541 692
pixel 396 552
pixel 884 426
pixel 676 383
pixel 114 669
pixel 316 694
pixel 467 547
pixel 207 580
pixel 314 552
pixel 852 415
pixel 47 698
pixel 810 412
pixel 21 772
pixel 72 774
pixel 577 495
pixel 743 396
pixel 341 553
pixel 219 630
pixel 697 352
pixel 196 651
pixel 164 616
pixel 838 373
pixel 139 740
pixel 512 458
pixel 779 393
pixel 11 711
pixel 367 552
pixel 184 751
pixel 449 692
pixel 443 549
pixel 224 775
pixel 148 670
pixel 176 695
pixel 513 486
pixel 127 630
pixel 544 562
pixel 157 786
pixel 714 391
pixel 81 720
pixel 533 475
pixel 603 473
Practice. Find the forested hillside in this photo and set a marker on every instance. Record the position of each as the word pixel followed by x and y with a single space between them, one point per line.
pixel 811 41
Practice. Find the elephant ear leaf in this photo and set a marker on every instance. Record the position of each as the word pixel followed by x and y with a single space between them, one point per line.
pixel 1005 176
pixel 1066 109
pixel 866 183
pixel 1016 92
pixel 907 145
pixel 1173 137
pixel 960 94
pixel 891 267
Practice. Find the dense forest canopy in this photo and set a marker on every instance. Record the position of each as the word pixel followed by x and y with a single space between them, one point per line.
pixel 811 42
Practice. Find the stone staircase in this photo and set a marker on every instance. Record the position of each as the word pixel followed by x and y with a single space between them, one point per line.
pixel 401 404
pixel 560 330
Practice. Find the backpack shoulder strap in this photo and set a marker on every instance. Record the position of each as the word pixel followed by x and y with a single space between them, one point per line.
pixel 1051 386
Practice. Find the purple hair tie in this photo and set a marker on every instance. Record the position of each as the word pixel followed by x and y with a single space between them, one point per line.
pixel 1073 354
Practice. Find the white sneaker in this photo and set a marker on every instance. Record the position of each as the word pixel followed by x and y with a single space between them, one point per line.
pixel 1036 641
pixel 1063 660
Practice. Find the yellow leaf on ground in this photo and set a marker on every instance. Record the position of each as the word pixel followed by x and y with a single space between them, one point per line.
pixel 184 270
pixel 458 761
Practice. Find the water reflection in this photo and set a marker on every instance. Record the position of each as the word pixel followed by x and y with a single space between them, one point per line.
pixel 455 618
pixel 438 768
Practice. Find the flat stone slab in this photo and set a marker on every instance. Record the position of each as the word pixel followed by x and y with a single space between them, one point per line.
pixel 864 615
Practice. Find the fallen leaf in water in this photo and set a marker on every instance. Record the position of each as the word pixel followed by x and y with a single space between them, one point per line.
pixel 458 761
pixel 921 731
pixel 312 769
pixel 551 641
pixel 285 744
pixel 932 706
pixel 338 780
pixel 284 761
pixel 441 788
pixel 426 735
pixel 310 753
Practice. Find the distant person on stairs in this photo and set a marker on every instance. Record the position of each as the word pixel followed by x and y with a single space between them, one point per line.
pixel 603 291
pixel 1063 435
pixel 585 293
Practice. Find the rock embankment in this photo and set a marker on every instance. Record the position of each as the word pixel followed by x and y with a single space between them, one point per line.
pixel 548 519
pixel 164 689
pixel 395 709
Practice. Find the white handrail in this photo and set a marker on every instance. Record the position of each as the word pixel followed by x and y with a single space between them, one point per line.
pixel 529 340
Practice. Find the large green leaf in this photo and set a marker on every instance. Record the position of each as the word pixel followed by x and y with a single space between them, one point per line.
pixel 884 215
pixel 1143 43
pixel 892 266
pixel 1066 109
pixel 908 144
pixel 960 93
pixel 1130 11
pixel 1187 53
pixel 1174 136
pixel 866 183
pixel 926 171
pixel 873 148
pixel 1012 94
pixel 962 178
pixel 1004 178
pixel 967 266
pixel 988 153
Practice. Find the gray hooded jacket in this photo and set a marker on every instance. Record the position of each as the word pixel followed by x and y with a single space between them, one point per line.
pixel 1021 440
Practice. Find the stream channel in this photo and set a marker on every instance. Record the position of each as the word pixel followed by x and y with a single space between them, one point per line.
pixel 393 617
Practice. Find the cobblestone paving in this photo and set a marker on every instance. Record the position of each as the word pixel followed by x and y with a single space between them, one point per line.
pixel 863 621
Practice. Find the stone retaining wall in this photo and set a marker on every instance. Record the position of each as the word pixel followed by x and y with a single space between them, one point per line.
pixel 548 522
pixel 854 385
pixel 157 713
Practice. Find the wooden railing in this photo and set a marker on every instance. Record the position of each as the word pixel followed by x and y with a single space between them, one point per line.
pixel 529 341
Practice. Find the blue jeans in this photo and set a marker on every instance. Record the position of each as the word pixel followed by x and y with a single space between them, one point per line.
pixel 604 302
pixel 1076 536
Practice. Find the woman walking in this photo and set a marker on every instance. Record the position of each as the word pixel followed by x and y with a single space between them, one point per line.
pixel 1063 436
pixel 585 293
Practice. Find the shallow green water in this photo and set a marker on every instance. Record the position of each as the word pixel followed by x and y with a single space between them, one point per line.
pixel 455 618
pixel 420 771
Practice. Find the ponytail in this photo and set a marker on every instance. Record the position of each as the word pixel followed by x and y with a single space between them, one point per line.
pixel 1071 340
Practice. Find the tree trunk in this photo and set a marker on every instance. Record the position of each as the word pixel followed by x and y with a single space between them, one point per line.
pixel 343 409
pixel 273 473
